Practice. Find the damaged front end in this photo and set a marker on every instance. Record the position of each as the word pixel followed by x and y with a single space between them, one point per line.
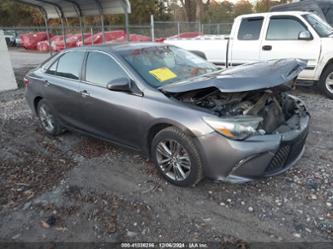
pixel 240 115
pixel 266 127
pixel 247 100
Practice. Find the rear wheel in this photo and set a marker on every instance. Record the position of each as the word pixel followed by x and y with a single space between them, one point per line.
pixel 47 119
pixel 326 82
pixel 176 157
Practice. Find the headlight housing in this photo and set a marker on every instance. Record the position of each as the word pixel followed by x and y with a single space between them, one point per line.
pixel 238 127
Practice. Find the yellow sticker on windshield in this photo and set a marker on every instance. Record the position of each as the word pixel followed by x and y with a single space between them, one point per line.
pixel 163 74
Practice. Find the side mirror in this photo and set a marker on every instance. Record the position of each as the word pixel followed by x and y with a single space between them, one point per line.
pixel 305 36
pixel 120 85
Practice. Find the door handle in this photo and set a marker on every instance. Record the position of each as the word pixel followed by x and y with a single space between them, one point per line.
pixel 85 93
pixel 267 48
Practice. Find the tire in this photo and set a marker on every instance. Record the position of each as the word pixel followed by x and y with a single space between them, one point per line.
pixel 185 156
pixel 323 84
pixel 48 121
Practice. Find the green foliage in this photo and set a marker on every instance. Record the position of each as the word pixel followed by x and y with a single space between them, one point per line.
pixel 16 14
pixel 243 7
pixel 265 5
pixel 13 13
pixel 141 11
pixel 219 12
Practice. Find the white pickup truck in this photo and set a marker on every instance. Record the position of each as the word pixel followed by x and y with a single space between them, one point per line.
pixel 275 35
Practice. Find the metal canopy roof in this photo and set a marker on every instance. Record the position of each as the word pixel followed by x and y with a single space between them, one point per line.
pixel 80 8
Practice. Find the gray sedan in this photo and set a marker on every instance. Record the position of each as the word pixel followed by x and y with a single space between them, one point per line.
pixel 191 118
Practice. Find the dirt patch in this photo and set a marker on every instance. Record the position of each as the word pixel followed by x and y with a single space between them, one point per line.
pixel 27 177
pixel 92 147
pixel 31 163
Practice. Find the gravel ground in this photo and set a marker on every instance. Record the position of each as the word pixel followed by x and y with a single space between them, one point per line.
pixel 76 188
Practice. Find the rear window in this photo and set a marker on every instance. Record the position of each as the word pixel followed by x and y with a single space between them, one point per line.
pixel 69 65
pixel 250 28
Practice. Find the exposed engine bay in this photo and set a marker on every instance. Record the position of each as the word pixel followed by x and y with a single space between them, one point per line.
pixel 279 111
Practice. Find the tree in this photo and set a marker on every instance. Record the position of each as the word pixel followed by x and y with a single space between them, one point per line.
pixel 189 7
pixel 194 9
pixel 265 5
pixel 243 7
pixel 11 10
pixel 219 12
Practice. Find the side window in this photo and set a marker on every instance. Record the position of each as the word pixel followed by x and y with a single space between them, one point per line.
pixel 69 65
pixel 329 16
pixel 250 28
pixel 284 28
pixel 53 68
pixel 101 69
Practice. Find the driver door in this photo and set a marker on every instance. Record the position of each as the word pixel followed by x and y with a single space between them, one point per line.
pixel 109 114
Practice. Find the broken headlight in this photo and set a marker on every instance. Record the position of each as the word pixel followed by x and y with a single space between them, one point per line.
pixel 238 128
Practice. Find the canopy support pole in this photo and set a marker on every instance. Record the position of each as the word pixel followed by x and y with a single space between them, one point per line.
pixel 81 28
pixel 63 31
pixel 126 24
pixel 103 30
pixel 152 26
pixel 47 33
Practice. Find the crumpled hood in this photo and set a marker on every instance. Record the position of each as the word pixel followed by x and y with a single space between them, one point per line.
pixel 247 77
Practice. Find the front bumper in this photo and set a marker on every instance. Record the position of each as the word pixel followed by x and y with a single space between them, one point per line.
pixel 253 158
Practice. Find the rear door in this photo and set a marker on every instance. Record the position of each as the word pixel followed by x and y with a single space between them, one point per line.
pixel 62 85
pixel 246 46
pixel 110 114
pixel 281 41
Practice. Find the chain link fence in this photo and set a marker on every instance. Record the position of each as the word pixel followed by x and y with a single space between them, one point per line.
pixel 167 29
pixel 216 28
pixel 161 29
pixel 156 29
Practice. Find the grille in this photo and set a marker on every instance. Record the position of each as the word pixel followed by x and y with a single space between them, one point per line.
pixel 279 160
pixel 297 149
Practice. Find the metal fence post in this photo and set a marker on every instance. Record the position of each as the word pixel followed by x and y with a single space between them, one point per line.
pixel 152 26
pixel 92 35
pixel 103 31
pixel 127 25
pixel 178 28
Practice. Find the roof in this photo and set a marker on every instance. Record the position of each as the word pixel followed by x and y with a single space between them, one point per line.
pixel 123 46
pixel 264 14
pixel 311 6
pixel 79 8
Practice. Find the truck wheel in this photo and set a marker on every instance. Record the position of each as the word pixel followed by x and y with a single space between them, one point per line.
pixel 176 157
pixel 326 82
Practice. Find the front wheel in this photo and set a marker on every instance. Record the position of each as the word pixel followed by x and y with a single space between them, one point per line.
pixel 326 82
pixel 176 157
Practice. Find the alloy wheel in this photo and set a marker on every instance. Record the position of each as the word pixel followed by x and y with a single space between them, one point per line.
pixel 329 82
pixel 173 159
pixel 46 118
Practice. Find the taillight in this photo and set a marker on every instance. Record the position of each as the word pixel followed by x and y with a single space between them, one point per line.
pixel 25 82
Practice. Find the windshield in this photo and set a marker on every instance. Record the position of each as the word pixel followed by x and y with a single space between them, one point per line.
pixel 166 65
pixel 322 28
